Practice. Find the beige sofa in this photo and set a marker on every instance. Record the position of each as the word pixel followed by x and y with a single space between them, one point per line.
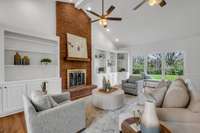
pixel 183 120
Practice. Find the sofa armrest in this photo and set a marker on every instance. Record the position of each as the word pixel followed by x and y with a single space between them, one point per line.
pixel 66 117
pixel 59 98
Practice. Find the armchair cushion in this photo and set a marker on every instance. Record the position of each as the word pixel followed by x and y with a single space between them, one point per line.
pixel 133 79
pixel 130 85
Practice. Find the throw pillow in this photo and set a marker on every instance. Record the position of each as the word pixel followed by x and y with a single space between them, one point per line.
pixel 159 95
pixel 194 105
pixel 40 101
pixel 53 102
pixel 164 83
pixel 177 95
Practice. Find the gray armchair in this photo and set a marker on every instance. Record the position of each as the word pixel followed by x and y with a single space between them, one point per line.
pixel 68 117
pixel 133 84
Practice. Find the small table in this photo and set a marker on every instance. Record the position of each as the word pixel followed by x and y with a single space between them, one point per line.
pixel 127 129
pixel 108 101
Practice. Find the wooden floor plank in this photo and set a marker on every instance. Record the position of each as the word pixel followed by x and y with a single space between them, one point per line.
pixel 13 124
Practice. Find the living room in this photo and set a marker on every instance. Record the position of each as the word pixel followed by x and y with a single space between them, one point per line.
pixel 99 66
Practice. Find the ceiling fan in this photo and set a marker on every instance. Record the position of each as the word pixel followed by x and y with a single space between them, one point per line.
pixel 104 17
pixel 161 3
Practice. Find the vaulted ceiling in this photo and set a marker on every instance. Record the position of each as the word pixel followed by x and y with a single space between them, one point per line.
pixel 180 18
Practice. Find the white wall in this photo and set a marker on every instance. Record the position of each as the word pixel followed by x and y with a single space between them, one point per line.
pixel 190 46
pixel 35 16
pixel 99 41
pixel 39 17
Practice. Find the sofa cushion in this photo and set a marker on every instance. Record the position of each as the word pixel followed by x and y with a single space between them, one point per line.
pixel 42 102
pixel 194 105
pixel 130 85
pixel 177 115
pixel 177 95
pixel 159 95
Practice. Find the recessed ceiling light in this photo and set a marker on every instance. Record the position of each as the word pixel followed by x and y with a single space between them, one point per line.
pixel 89 8
pixel 117 40
pixel 108 30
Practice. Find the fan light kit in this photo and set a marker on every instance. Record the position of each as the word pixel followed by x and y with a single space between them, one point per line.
pixel 104 17
pixel 160 3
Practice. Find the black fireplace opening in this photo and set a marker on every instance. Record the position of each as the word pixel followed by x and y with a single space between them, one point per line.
pixel 76 79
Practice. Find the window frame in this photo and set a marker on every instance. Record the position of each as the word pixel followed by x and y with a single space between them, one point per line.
pixel 163 62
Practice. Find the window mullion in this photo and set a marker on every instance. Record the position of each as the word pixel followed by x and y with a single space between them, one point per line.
pixel 163 66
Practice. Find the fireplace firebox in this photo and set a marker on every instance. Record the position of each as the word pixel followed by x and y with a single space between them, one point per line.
pixel 76 77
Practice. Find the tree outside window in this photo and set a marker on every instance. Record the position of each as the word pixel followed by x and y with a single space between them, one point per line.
pixel 138 65
pixel 154 66
pixel 174 65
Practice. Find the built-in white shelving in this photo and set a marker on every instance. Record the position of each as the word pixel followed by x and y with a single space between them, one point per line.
pixel 18 80
pixel 36 48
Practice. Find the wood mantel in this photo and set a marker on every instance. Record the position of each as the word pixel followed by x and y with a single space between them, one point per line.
pixel 77 59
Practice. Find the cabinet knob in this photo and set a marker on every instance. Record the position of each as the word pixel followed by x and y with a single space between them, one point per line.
pixel 5 87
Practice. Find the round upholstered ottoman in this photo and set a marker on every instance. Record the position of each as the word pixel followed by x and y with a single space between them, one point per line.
pixel 108 101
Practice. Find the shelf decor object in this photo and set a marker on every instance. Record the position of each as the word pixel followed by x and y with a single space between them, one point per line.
pixel 17 59
pixel 77 48
pixel 45 61
pixel 26 60
pixel 149 120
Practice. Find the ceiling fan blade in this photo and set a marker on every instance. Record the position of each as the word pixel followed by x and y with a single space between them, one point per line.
pixel 93 13
pixel 114 18
pixel 110 10
pixel 139 5
pixel 93 21
pixel 163 3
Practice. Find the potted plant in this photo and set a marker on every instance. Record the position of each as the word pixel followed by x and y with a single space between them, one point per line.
pixel 46 61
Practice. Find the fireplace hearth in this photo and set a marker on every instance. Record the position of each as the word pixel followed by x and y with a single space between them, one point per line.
pixel 76 77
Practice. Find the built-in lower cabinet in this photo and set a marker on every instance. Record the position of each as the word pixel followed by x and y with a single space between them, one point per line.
pixel 11 100
pixel 12 97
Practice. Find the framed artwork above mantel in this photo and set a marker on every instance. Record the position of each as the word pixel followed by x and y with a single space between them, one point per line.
pixel 76 48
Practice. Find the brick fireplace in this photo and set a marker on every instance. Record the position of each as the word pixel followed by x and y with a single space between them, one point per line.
pixel 67 23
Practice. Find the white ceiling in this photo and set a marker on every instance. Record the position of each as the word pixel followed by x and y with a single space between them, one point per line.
pixel 178 19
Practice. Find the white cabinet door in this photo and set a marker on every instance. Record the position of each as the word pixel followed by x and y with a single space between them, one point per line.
pixel 54 86
pixel 1 99
pixel 12 94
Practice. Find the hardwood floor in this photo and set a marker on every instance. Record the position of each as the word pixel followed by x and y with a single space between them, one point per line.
pixel 13 124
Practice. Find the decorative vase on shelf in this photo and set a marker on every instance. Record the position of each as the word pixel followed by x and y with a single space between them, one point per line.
pixel 149 120
pixel 104 82
pixel 17 59
pixel 44 87
pixel 26 60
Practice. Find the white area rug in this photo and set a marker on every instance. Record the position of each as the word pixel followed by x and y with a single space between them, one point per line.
pixel 100 121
